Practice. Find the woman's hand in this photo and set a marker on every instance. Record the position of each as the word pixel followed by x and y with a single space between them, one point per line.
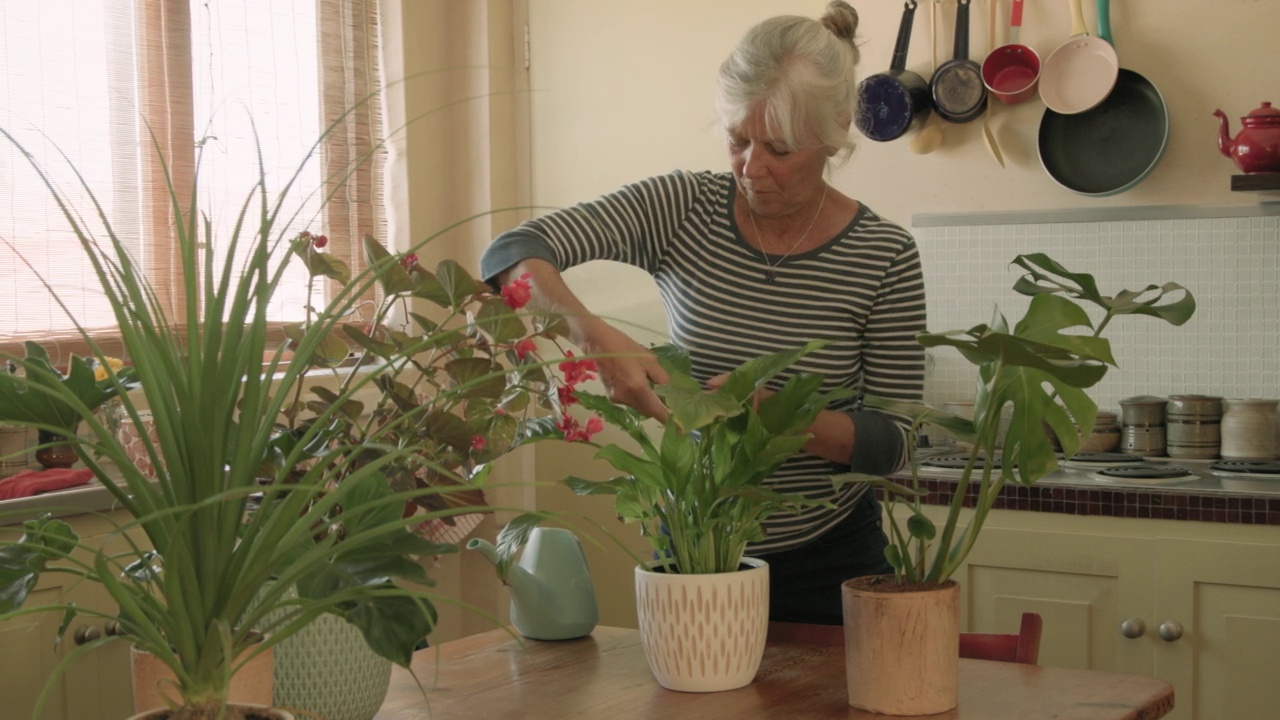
pixel 628 370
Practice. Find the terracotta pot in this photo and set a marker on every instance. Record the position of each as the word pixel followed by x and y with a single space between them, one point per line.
pixel 704 633
pixel 56 452
pixel 901 645
pixel 251 712
pixel 154 683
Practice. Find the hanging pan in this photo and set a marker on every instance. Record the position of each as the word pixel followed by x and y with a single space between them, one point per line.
pixel 1080 73
pixel 958 93
pixel 1114 146
pixel 1010 71
pixel 892 102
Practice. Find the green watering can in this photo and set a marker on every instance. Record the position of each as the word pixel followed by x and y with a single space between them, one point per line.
pixel 551 593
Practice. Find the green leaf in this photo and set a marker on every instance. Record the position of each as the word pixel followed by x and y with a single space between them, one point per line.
pixel 392 277
pixel 393 626
pixel 477 377
pixel 513 536
pixel 43 540
pixel 496 319
pixel 321 264
pixel 921 527
pixel 457 283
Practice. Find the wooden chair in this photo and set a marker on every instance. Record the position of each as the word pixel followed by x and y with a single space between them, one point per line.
pixel 1024 647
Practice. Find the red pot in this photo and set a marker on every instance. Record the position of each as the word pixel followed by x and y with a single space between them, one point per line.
pixel 1257 148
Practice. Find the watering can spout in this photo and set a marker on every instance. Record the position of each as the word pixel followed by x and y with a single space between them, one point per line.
pixel 552 597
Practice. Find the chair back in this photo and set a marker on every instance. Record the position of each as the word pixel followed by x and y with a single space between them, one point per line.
pixel 1023 647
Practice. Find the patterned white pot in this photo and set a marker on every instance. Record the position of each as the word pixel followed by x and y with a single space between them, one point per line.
pixel 327 670
pixel 704 633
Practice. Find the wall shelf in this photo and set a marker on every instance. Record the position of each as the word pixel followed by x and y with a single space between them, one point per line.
pixel 1257 182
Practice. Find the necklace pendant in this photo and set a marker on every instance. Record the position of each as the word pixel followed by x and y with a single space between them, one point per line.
pixel 770 276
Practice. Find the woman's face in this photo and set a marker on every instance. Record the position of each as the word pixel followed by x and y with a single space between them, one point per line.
pixel 775 180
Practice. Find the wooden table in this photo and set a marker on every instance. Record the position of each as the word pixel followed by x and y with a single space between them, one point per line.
pixel 605 677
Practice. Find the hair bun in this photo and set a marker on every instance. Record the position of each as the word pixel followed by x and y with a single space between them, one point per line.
pixel 841 19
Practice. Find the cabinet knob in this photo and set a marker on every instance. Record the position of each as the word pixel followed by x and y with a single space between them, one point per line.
pixel 86 634
pixel 1133 628
pixel 1170 630
pixel 112 628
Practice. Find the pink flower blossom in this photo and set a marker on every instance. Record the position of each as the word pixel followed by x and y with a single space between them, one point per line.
pixel 517 293
pixel 319 241
pixel 478 443
pixel 524 347
pixel 575 432
pixel 576 371
pixel 566 395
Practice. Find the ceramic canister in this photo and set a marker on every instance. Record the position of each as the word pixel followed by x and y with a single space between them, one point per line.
pixel 1249 429
pixel 1193 426
pixel 1142 425
pixel 13 449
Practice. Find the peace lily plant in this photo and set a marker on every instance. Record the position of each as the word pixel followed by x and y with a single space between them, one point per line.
pixel 696 488
pixel 1035 372
pixel 271 503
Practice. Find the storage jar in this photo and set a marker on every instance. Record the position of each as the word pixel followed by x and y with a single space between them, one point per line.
pixel 1142 429
pixel 1249 429
pixel 1193 426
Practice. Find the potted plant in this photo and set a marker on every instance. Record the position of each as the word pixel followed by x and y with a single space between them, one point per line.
pixel 224 563
pixel 1035 372
pixel 697 491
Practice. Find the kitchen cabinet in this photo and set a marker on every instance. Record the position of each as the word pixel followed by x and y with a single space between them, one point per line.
pixel 93 685
pixel 1195 604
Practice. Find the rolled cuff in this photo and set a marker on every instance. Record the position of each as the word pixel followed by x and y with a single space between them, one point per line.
pixel 878 444
pixel 510 248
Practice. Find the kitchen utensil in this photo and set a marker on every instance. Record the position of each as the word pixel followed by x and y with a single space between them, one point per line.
pixel 892 102
pixel 958 93
pixel 1114 146
pixel 930 136
pixel 1256 149
pixel 1080 73
pixel 988 133
pixel 1011 71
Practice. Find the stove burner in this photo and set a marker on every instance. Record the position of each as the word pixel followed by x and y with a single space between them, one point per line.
pixel 1146 471
pixel 1248 467
pixel 956 461
pixel 1109 458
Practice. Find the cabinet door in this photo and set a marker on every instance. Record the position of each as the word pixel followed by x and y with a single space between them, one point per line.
pixel 94 685
pixel 1083 585
pixel 1226 598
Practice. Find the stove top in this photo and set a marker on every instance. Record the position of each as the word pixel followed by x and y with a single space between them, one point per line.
pixel 1247 468
pixel 1146 473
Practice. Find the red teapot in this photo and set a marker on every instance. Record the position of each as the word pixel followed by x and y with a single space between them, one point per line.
pixel 1257 148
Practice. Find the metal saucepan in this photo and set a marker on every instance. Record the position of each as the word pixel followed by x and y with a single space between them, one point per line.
pixel 891 102
pixel 1080 73
pixel 1115 145
pixel 958 93
pixel 1010 71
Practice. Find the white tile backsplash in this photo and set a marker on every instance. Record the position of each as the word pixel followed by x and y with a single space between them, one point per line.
pixel 1230 348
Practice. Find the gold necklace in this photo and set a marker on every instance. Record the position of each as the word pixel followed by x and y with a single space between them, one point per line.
pixel 771 274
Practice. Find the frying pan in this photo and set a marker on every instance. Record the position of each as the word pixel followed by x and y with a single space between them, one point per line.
pixel 1080 72
pixel 891 102
pixel 1010 71
pixel 1114 146
pixel 958 93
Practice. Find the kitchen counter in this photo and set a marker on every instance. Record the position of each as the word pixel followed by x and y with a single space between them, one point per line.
pixel 1205 496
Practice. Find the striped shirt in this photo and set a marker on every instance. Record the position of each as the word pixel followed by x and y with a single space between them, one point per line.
pixel 862 291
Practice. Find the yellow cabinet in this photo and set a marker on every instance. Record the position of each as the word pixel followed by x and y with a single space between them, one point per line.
pixel 93 685
pixel 1195 604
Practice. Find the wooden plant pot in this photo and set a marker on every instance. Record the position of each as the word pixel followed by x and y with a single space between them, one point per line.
pixel 154 685
pixel 902 645
pixel 704 633
pixel 251 712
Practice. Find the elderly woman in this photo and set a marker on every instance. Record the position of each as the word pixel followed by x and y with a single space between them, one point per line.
pixel 759 259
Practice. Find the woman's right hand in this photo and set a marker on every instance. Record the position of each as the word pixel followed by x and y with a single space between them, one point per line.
pixel 628 370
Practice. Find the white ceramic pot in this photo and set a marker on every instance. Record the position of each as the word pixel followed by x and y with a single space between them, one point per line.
pixel 327 670
pixel 704 633
pixel 902 648
pixel 1249 429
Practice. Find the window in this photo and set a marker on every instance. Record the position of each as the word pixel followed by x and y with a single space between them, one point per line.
pixel 102 80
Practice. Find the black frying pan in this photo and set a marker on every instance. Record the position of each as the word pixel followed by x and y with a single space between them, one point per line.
pixel 890 103
pixel 1113 146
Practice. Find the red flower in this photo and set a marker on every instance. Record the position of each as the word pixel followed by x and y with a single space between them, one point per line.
pixel 320 241
pixel 517 293
pixel 477 443
pixel 573 430
pixel 566 395
pixel 576 371
pixel 524 347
